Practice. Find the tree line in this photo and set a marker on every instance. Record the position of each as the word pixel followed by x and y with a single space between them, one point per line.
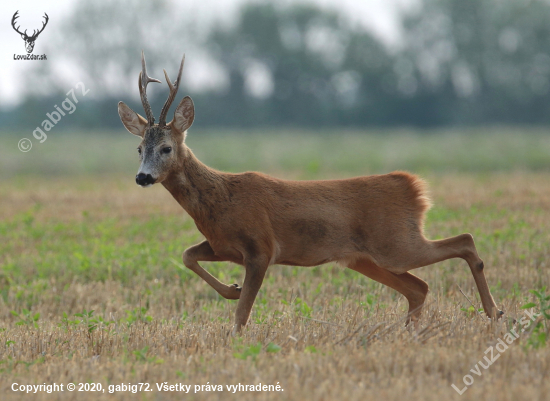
pixel 459 62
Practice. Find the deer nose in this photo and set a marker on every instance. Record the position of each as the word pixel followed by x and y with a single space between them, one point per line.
pixel 144 179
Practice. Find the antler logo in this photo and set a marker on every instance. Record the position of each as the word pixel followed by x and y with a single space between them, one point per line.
pixel 29 40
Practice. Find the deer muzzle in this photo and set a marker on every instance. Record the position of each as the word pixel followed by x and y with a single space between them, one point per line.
pixel 145 180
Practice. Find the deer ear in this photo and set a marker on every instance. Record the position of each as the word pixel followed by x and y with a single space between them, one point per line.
pixel 184 115
pixel 134 123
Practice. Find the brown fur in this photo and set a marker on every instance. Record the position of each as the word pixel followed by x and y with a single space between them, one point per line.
pixel 371 224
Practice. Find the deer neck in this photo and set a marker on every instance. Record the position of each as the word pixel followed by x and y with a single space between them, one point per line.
pixel 198 188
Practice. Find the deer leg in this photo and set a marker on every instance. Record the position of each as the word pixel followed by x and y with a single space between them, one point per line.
pixel 412 287
pixel 254 277
pixel 204 252
pixel 461 246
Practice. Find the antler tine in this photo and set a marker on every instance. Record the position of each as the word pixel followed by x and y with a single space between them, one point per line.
pixel 173 91
pixel 36 32
pixel 144 79
pixel 44 23
pixel 15 16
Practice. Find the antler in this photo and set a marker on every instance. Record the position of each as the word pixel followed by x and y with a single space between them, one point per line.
pixel 144 79
pixel 34 35
pixel 172 95
pixel 15 16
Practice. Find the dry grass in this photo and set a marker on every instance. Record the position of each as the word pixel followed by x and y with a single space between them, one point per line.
pixel 341 336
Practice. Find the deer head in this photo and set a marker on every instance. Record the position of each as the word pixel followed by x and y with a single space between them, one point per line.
pixel 162 146
pixel 29 40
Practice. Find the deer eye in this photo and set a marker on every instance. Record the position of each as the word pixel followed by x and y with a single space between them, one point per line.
pixel 139 150
pixel 167 149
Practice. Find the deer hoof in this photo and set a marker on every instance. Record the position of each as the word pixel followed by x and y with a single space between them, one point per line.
pixel 232 292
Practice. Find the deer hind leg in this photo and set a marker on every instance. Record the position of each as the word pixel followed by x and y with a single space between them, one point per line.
pixel 461 246
pixel 412 287
pixel 204 252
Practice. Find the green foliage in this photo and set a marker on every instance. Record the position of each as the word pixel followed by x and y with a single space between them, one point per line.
pixel 253 350
pixel 26 318
pixel 273 348
pixel 538 336
pixel 544 301
pixel 302 308
pixel 248 351
pixel 141 355
pixel 137 315
pixel 541 333
pixel 471 311
pixel 262 309
pixel 85 318
pixel 311 349
pixel 66 322
pixel 88 320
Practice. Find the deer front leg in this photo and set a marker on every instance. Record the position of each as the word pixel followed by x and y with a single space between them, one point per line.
pixel 254 277
pixel 204 252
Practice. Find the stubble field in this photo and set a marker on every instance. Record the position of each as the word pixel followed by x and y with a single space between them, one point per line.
pixel 93 290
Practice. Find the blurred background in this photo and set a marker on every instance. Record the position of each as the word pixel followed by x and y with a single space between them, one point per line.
pixel 459 84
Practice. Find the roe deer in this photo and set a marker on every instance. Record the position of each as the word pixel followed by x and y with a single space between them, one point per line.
pixel 371 224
